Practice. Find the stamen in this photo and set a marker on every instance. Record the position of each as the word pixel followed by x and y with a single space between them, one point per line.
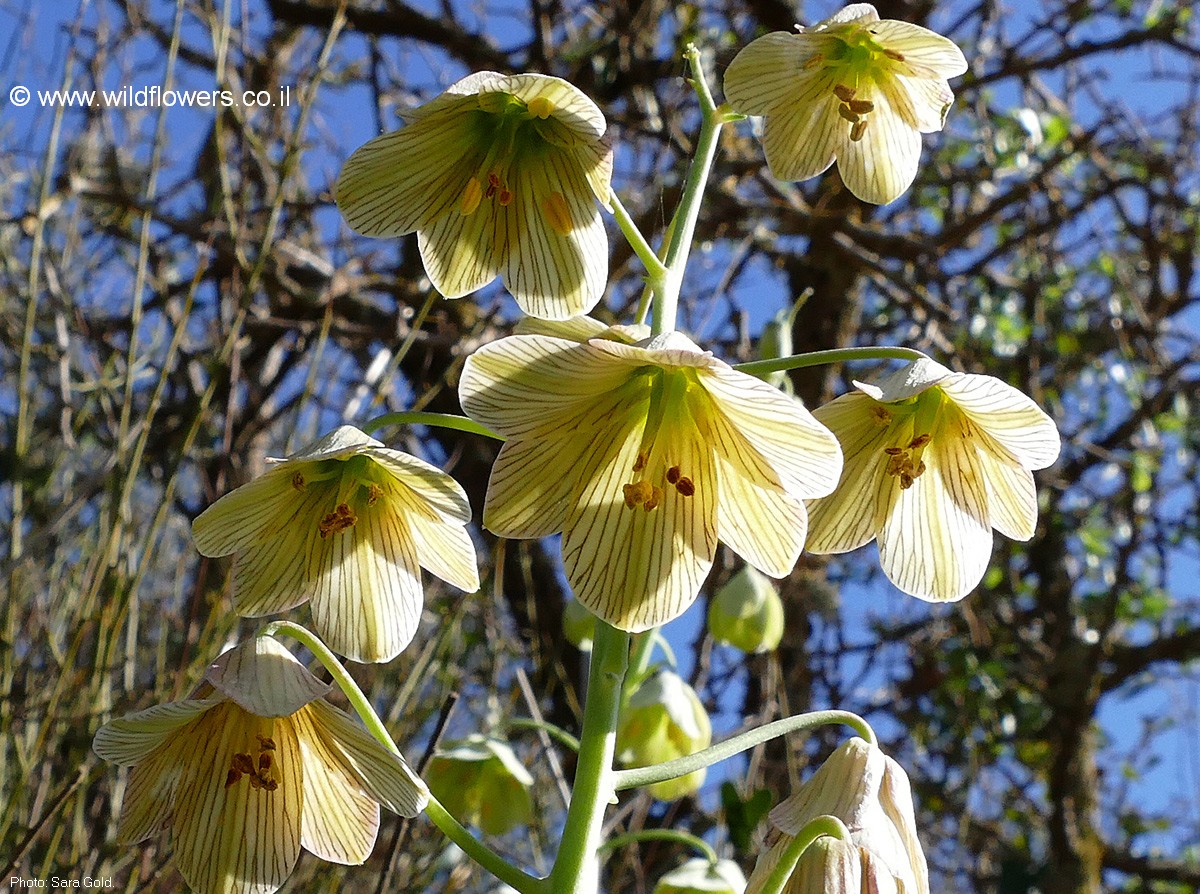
pixel 881 416
pixel 857 131
pixel 265 743
pixel 504 197
pixel 843 92
pixel 298 481
pixel 892 54
pixel 471 197
pixel 673 475
pixel 541 107
pixel 640 462
pixel 845 111
pixel 243 763
pixel 337 521
pixel 685 486
pixel 557 213
pixel 861 106
pixel 374 492
pixel 232 777
pixel 264 762
pixel 638 492
pixel 654 499
pixel 812 62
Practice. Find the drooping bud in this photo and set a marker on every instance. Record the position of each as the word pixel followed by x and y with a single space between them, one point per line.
pixel 664 720
pixel 747 612
pixel 480 782
pixel 699 876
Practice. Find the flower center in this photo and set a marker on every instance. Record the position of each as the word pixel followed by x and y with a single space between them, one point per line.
pixel 258 773
pixel 904 461
pixel 856 55
pixel 355 491
pixel 653 473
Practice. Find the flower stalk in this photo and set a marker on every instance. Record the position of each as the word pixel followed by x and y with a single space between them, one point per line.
pixel 819 358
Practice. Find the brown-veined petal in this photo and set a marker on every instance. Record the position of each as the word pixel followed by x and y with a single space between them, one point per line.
pixel 382 774
pixel 800 141
pixel 1007 416
pixel 936 540
pixel 570 105
pixel 770 72
pixel 462 252
pixel 256 510
pixel 405 180
pixel 638 569
pixel 846 519
pixel 530 486
pixel 150 795
pixel 431 488
pixel 762 525
pixel 444 550
pixel 926 53
pixel 879 167
pixel 930 100
pixel 238 837
pixel 368 596
pixel 264 678
pixel 127 740
pixel 1012 497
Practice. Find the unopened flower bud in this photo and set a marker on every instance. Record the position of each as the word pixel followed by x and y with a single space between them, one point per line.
pixel 664 720
pixel 747 612
pixel 699 876
pixel 480 782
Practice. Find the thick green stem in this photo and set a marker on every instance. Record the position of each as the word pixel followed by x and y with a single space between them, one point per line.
pixel 577 867
pixel 698 844
pixel 666 298
pixel 451 828
pixel 817 358
pixel 441 420
pixel 820 826
pixel 626 779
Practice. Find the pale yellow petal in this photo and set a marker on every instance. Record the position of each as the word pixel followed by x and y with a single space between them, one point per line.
pixel 879 167
pixel 445 550
pixel 762 525
pixel 238 838
pixel 936 542
pixel 405 180
pixel 449 98
pixel 1012 497
pixel 340 820
pixel 633 568
pixel 769 73
pixel 530 487
pixel 262 676
pixel 150 795
pixel 343 442
pixel 845 519
pixel 801 140
pixel 768 435
pixel 527 385
pixel 382 774
pixel 1009 418
pixel 930 100
pixel 427 483
pixel 245 514
pixel 368 597
pixel 926 53
pixel 127 740
pixel 556 256
pixel 570 105
pixel 461 252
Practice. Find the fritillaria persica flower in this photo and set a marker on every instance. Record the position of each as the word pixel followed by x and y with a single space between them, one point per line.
pixel 346 523
pixel 644 456
pixel 497 176
pixel 852 88
pixel 254 766
pixel 934 461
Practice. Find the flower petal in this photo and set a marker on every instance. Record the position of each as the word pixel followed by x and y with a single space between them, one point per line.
pixel 530 486
pixel 801 140
pixel 461 251
pixel 429 485
pixel 1012 497
pixel 383 774
pixel 405 180
pixel 571 105
pixel 633 568
pixel 150 795
pixel 236 837
pixel 1008 417
pixel 936 541
pixel 343 442
pixel 930 100
pixel 556 254
pixel 770 437
pixel 128 740
pixel 762 525
pixel 533 385
pixel 240 517
pixel 445 550
pixel 769 72
pixel 368 595
pixel 264 678
pixel 879 167
pixel 926 53
pixel 845 519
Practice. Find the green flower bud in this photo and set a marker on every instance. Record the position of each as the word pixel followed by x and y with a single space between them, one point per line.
pixel 664 720
pixel 480 782
pixel 699 876
pixel 747 612
pixel 579 625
